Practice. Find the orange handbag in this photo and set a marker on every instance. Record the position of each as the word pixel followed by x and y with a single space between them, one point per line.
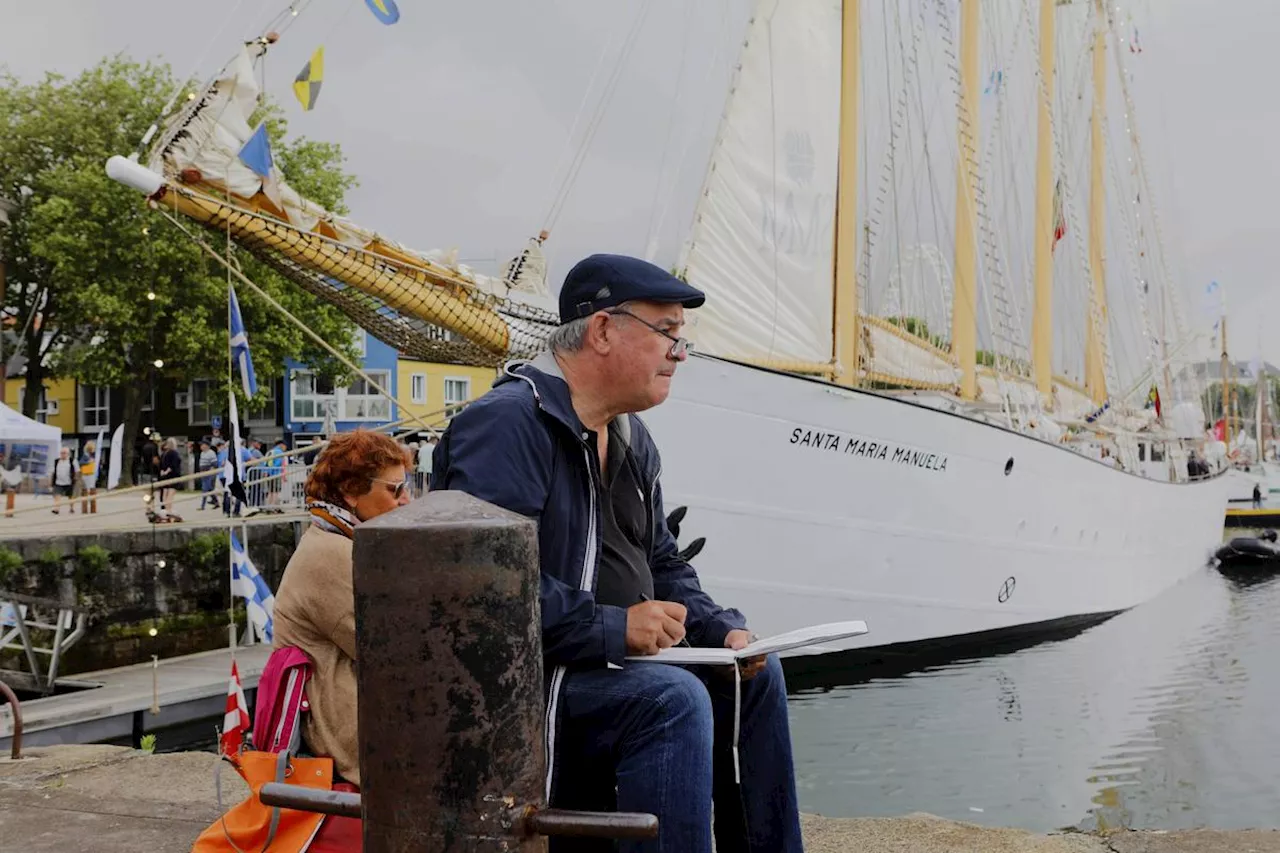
pixel 251 826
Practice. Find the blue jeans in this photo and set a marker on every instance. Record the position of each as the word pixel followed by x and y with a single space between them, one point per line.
pixel 658 738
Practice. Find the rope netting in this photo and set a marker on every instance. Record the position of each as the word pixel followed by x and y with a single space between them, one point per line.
pixel 420 311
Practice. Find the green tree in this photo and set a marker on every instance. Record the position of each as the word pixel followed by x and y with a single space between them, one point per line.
pixel 118 288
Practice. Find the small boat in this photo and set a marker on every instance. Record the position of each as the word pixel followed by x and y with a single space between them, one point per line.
pixel 1258 518
pixel 1249 551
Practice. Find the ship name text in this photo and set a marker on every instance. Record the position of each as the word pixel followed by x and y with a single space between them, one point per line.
pixel 852 445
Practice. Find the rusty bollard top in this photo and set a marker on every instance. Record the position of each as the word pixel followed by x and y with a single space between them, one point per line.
pixel 449 667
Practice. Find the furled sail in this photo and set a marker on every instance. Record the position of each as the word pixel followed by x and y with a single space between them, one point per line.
pixel 762 239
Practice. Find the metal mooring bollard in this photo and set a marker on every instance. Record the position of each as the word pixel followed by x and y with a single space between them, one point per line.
pixel 451 707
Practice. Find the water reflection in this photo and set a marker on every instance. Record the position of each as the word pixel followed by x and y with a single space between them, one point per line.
pixel 1160 717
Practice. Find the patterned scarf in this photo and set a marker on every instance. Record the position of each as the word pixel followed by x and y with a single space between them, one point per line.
pixel 332 518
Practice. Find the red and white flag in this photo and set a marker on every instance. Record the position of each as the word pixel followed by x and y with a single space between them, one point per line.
pixel 236 722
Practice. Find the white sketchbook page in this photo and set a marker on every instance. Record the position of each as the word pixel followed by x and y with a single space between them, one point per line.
pixel 801 638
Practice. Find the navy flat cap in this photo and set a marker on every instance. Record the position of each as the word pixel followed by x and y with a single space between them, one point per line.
pixel 605 281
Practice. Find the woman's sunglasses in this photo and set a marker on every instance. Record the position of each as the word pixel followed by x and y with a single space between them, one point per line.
pixel 397 487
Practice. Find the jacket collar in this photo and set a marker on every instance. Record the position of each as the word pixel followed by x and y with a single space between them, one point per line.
pixel 550 388
pixel 551 392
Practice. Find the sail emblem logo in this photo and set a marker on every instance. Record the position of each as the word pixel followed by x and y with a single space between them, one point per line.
pixel 796 215
pixel 798 150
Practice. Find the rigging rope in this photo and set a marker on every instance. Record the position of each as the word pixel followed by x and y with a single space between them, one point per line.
pixel 580 155
pixel 649 238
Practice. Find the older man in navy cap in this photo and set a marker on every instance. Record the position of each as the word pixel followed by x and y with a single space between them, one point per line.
pixel 558 440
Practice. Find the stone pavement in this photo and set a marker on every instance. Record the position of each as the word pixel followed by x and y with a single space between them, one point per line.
pixel 108 799
pixel 125 512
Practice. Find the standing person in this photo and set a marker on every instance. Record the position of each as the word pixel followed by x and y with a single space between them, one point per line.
pixel 255 473
pixel 207 462
pixel 64 479
pixel 557 440
pixel 424 463
pixel 170 467
pixel 275 472
pixel 89 478
pixel 150 461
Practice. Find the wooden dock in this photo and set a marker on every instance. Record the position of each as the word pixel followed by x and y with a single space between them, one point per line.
pixel 124 702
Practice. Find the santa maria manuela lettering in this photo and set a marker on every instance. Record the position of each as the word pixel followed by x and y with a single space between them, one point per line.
pixel 824 441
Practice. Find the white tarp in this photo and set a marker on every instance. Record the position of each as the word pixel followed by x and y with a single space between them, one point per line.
pixel 762 238
pixel 15 428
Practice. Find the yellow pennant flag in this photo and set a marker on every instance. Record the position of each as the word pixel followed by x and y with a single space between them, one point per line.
pixel 306 86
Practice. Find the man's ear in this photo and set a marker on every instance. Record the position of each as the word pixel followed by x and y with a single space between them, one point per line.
pixel 598 332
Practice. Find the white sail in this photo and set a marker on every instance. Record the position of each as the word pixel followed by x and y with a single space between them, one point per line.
pixel 762 237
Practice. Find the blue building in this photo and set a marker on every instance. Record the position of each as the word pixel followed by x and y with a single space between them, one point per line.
pixel 313 406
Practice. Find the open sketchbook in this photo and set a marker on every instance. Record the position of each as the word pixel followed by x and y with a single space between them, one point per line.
pixel 801 641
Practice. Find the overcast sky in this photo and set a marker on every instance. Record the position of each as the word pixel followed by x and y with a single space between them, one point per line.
pixel 456 119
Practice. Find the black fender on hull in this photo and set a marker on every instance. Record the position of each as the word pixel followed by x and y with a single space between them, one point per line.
pixel 1261 551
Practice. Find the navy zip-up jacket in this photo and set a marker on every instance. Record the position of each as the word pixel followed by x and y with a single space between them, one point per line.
pixel 522 447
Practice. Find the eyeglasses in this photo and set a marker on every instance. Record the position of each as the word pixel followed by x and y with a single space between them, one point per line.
pixel 400 486
pixel 680 347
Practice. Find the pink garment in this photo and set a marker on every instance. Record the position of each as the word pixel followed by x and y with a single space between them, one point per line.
pixel 282 699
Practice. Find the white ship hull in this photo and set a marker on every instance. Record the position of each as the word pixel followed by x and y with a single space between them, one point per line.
pixel 823 504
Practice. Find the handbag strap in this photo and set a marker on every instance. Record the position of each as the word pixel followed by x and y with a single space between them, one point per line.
pixel 217 787
pixel 282 770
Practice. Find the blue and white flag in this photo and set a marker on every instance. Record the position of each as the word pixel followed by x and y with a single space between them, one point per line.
pixel 249 585
pixel 240 346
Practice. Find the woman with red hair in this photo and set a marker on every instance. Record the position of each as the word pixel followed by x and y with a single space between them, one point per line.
pixel 359 476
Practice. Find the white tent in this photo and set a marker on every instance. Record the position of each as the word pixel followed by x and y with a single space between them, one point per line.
pixel 18 429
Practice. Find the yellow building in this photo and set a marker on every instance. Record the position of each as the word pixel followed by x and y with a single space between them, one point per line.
pixel 59 406
pixel 429 388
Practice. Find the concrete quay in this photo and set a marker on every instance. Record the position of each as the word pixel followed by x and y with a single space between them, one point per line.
pixel 59 799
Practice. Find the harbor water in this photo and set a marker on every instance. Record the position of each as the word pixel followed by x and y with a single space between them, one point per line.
pixel 1162 717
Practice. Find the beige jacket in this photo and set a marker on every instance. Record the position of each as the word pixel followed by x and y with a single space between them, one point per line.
pixel 315 611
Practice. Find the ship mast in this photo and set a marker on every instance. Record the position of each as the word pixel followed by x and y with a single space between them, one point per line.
pixel 845 325
pixel 1226 388
pixel 964 314
pixel 1095 377
pixel 1042 320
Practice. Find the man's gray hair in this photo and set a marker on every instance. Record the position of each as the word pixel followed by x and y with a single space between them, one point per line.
pixel 570 336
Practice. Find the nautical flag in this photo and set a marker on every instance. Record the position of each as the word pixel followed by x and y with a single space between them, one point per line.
pixel 384 10
pixel 1153 399
pixel 236 721
pixel 240 346
pixel 233 470
pixel 256 152
pixel 249 585
pixel 306 86
pixel 1059 221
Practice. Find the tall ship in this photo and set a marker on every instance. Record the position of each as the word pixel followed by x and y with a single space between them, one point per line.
pixel 933 382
